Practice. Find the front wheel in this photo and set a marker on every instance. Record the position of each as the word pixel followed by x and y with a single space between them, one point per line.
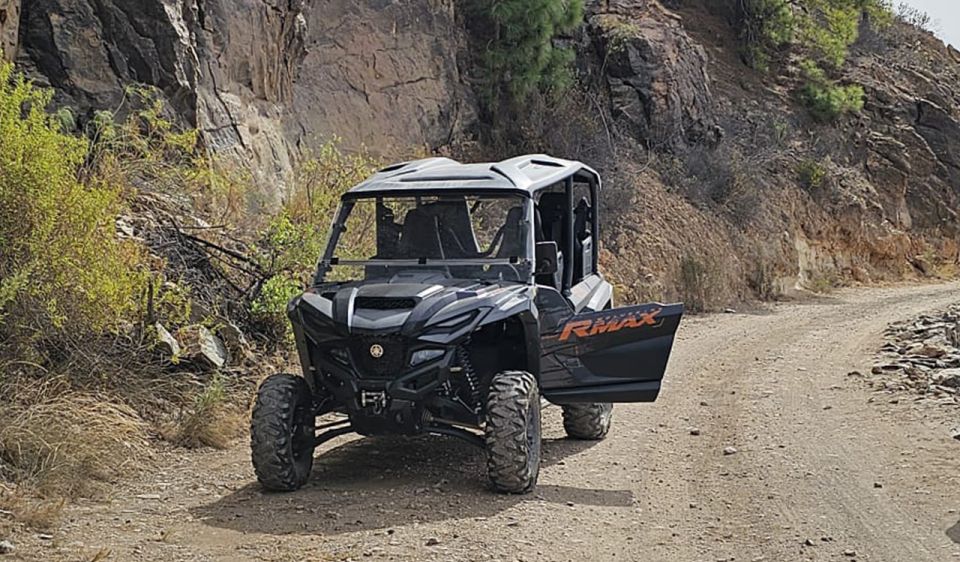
pixel 513 432
pixel 587 421
pixel 282 433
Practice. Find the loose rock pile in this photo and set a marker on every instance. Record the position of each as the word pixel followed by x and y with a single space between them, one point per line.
pixel 213 274
pixel 922 356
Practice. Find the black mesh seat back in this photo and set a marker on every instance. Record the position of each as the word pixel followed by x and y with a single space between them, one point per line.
pixel 553 225
pixel 456 231
pixel 420 237
pixel 513 239
pixel 582 241
pixel 388 231
pixel 552 216
pixel 581 216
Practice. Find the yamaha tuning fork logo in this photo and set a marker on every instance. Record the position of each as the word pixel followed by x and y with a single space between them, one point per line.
pixel 376 351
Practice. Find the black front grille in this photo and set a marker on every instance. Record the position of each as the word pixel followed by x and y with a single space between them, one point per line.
pixel 384 303
pixel 391 351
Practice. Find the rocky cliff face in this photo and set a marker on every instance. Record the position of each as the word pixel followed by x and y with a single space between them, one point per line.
pixel 704 155
pixel 723 187
pixel 656 75
pixel 262 79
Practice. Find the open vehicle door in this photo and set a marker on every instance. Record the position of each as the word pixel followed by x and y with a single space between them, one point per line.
pixel 616 355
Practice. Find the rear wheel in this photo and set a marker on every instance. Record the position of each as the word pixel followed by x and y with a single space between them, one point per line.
pixel 587 421
pixel 513 432
pixel 282 433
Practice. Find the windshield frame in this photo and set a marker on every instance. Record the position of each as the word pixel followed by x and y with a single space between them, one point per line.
pixel 349 200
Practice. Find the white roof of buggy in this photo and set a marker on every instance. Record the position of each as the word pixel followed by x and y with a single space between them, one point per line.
pixel 525 174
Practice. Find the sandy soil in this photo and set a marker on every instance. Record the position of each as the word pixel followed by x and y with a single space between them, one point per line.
pixel 825 469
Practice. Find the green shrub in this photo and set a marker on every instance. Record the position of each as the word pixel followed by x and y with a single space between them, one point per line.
pixel 519 56
pixel 146 150
pixel 765 25
pixel 827 102
pixel 211 420
pixel 295 238
pixel 826 99
pixel 62 269
pixel 781 131
pixel 270 305
pixel 825 29
pixel 812 174
pixel 618 32
pixel 823 282
pixel 880 13
pixel 830 28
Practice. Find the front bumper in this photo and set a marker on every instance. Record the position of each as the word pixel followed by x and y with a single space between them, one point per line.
pixel 379 404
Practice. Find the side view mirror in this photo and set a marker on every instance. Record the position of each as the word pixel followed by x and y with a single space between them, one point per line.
pixel 546 256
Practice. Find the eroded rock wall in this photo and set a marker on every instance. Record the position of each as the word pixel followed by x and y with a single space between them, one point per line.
pixel 264 80
pixel 383 74
pixel 656 75
pixel 705 151
pixel 730 146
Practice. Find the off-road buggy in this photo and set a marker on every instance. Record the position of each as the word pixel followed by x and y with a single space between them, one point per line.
pixel 450 299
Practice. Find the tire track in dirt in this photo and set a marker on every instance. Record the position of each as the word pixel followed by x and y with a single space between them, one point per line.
pixel 817 452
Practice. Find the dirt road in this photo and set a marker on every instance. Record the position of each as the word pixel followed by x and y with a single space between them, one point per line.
pixel 825 469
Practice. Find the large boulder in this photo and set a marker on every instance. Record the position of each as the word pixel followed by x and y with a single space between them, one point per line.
pixel 166 344
pixel 202 348
pixel 656 74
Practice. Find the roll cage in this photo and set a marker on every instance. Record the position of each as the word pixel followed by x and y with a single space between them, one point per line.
pixel 549 187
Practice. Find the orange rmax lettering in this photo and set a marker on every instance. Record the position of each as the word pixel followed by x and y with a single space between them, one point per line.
pixel 579 328
pixel 650 318
pixel 600 327
pixel 609 324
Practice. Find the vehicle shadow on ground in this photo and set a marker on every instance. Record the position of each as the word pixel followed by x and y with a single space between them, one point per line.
pixel 379 483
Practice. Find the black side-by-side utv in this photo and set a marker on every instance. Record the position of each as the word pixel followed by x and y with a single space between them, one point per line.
pixel 450 298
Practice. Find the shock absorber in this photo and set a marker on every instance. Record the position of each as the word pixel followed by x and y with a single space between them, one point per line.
pixel 470 376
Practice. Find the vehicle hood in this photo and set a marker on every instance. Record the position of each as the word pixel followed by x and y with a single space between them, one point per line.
pixel 428 308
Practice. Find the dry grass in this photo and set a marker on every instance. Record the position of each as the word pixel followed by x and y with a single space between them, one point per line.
pixel 22 507
pixel 698 283
pixel 212 420
pixel 64 443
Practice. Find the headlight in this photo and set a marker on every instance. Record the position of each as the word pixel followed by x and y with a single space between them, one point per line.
pixel 425 355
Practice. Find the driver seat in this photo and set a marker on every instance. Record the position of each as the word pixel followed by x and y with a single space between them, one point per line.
pixel 420 236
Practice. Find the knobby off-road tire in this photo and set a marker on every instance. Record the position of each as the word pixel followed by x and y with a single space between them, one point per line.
pixel 281 433
pixel 513 432
pixel 587 421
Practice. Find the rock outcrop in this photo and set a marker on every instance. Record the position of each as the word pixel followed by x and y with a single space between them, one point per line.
pixel 381 74
pixel 202 348
pixel 704 157
pixel 265 80
pixel 655 73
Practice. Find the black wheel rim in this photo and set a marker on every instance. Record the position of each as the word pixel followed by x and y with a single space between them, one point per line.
pixel 302 430
pixel 533 433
